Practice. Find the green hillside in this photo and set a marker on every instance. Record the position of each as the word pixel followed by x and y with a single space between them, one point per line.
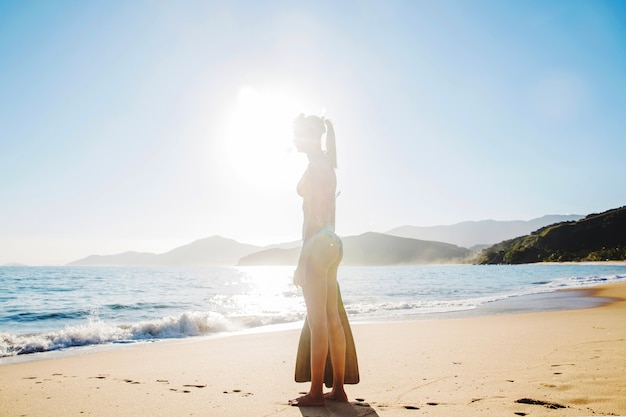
pixel 597 237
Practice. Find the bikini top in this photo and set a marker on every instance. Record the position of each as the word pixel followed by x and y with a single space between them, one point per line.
pixel 314 222
pixel 303 184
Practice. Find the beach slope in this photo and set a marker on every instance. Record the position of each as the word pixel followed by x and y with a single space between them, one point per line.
pixel 561 363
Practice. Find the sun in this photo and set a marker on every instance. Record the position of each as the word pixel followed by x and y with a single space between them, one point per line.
pixel 257 138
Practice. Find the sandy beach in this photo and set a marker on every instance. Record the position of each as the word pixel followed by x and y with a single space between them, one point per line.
pixel 561 363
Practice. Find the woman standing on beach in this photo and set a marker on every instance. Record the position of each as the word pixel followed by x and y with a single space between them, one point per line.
pixel 316 273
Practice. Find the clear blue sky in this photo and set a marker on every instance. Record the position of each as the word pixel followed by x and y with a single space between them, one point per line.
pixel 144 125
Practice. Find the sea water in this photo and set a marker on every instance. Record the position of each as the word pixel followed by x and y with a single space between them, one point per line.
pixel 56 308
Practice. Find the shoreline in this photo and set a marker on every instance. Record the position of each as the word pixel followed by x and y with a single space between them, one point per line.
pixel 582 263
pixel 556 300
pixel 443 367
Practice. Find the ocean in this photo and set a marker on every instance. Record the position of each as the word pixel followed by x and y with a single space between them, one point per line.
pixel 45 309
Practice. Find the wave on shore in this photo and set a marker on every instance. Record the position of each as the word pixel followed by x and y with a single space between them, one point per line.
pixel 96 332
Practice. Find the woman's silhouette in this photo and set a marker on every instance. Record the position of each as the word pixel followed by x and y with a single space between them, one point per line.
pixel 319 260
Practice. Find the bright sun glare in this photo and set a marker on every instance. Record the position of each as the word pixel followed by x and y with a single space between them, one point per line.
pixel 258 138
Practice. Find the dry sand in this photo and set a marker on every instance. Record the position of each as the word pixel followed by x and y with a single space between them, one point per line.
pixel 563 363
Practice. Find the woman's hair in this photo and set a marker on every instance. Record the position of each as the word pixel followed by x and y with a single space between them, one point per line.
pixel 314 127
pixel 331 149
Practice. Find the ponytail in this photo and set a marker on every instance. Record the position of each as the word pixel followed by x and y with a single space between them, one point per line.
pixel 331 149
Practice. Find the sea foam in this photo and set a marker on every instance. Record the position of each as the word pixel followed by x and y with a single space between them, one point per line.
pixel 96 332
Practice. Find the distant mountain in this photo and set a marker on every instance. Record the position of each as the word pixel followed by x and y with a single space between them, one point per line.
pixel 597 237
pixel 371 249
pixel 211 251
pixel 272 256
pixel 120 259
pixel 485 232
pixel 402 245
pixel 382 249
pixel 214 250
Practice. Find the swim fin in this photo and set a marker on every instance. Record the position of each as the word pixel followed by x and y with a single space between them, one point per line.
pixel 303 358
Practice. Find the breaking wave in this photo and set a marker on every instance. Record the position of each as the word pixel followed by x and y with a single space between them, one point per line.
pixel 96 332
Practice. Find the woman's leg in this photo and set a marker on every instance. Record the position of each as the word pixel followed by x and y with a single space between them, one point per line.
pixel 337 337
pixel 322 256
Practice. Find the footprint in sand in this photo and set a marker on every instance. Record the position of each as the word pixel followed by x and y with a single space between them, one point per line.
pixel 184 391
pixel 195 385
pixel 130 381
pixel 238 391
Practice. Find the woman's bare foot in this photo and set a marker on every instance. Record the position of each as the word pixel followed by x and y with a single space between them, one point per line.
pixel 339 396
pixel 307 401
